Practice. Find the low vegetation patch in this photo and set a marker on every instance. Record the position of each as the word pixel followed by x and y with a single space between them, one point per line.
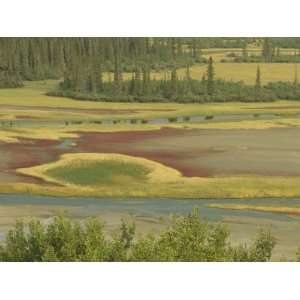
pixel 93 173
pixel 160 181
pixel 187 239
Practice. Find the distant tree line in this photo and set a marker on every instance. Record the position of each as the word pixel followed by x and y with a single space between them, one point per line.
pixel 9 78
pixel 270 53
pixel 286 42
pixel 83 62
pixel 49 58
pixel 86 83
pixel 186 239
pixel 46 58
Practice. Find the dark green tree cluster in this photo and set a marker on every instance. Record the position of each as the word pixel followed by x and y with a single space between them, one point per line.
pixel 270 52
pixel 86 83
pixel 33 58
pixel 286 42
pixel 44 58
pixel 9 70
pixel 221 42
pixel 9 78
pixel 187 239
pixel 277 58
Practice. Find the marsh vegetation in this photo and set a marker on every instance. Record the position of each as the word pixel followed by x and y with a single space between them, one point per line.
pixel 153 117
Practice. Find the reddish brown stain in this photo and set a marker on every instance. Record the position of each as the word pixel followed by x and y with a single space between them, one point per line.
pixel 126 143
pixel 26 154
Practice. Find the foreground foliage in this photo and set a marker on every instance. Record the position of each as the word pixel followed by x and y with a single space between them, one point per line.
pixel 187 239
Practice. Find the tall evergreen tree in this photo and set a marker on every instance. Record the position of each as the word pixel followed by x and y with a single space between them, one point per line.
pixel 244 51
pixel 295 84
pixel 278 51
pixel 296 75
pixel 117 67
pixel 188 80
pixel 146 80
pixel 194 48
pixel 210 77
pixel 174 85
pixel 268 50
pixel 258 84
pixel 137 88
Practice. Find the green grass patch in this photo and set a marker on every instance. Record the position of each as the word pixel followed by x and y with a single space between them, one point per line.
pixel 98 173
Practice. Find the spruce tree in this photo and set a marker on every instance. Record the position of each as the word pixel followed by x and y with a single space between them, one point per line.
pixel 194 47
pixel 210 77
pixel 258 84
pixel 296 75
pixel 146 80
pixel 267 50
pixel 131 88
pixel 188 80
pixel 137 83
pixel 295 83
pixel 174 87
pixel 117 67
pixel 179 46
pixel 278 52
pixel 244 51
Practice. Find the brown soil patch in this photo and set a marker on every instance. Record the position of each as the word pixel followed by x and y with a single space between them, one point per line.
pixel 202 152
pixel 194 152
pixel 26 154
pixel 127 143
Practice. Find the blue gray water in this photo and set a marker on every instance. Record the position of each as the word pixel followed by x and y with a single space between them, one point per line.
pixel 154 207
pixel 179 119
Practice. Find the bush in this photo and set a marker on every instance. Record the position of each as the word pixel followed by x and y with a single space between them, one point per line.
pixel 188 238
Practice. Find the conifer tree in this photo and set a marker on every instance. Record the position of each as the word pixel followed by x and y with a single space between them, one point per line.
pixel 210 77
pixel 137 87
pixel 174 86
pixel 267 50
pixel 244 51
pixel 179 47
pixel 258 84
pixel 278 52
pixel 194 48
pixel 296 75
pixel 117 68
pixel 146 80
pixel 295 84
pixel 188 80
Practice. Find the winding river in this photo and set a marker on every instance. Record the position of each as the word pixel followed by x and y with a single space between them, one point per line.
pixel 161 120
pixel 156 207
pixel 153 214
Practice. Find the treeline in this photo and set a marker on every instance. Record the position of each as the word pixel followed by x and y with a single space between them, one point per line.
pixel 87 83
pixel 222 42
pixel 46 58
pixel 270 53
pixel 186 239
pixel 9 78
pixel 286 42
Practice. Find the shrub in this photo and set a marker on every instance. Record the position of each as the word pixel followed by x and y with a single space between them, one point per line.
pixel 188 238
